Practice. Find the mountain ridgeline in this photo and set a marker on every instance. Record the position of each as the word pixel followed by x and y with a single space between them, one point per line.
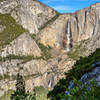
pixel 41 45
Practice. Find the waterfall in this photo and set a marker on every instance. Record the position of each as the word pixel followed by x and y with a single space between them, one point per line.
pixel 68 36
pixel 51 82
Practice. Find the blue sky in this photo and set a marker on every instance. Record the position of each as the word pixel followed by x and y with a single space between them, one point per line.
pixel 68 6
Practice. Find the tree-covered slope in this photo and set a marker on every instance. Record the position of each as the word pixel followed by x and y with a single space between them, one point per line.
pixel 82 66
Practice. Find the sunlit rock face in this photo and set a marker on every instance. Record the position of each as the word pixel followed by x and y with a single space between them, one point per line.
pixel 72 28
pixel 24 45
pixel 29 13
pixel 34 72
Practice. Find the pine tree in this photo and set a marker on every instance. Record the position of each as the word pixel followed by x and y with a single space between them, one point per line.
pixel 20 93
pixel 20 85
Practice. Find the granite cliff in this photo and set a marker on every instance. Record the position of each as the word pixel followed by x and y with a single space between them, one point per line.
pixel 42 44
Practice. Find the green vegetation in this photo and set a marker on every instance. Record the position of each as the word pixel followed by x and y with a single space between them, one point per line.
pixel 11 31
pixel 33 36
pixel 13 77
pixel 45 50
pixel 78 50
pixel 7 76
pixel 41 93
pixel 83 92
pixel 2 0
pixel 20 93
pixel 45 55
pixel 24 58
pixel 7 95
pixel 82 66
pixel 35 75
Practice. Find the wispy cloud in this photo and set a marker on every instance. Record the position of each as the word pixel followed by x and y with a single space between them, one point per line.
pixel 63 8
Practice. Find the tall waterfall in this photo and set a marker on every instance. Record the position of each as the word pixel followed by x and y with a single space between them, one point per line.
pixel 69 37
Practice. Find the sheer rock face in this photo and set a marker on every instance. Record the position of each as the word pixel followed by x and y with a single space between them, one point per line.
pixel 29 13
pixel 53 34
pixel 71 28
pixel 24 45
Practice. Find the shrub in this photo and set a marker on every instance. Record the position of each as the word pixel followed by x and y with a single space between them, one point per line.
pixel 7 95
pixel 41 93
pixel 45 49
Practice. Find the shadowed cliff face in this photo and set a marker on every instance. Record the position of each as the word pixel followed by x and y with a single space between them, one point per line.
pixel 22 51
